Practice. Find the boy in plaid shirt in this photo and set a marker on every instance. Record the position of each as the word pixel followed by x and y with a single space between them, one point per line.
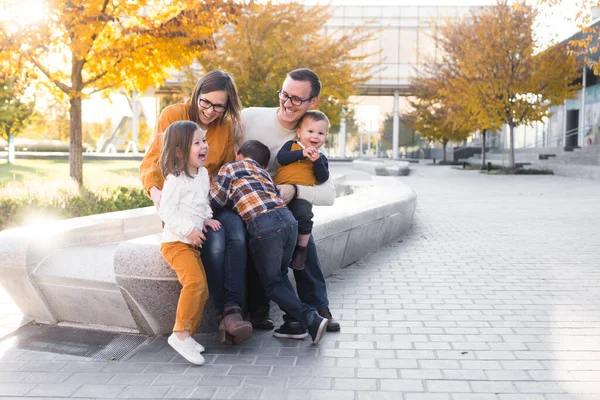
pixel 247 187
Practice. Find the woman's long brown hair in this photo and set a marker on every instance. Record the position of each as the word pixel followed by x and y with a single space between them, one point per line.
pixel 213 81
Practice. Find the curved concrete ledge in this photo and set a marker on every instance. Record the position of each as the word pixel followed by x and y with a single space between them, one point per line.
pixel 106 270
pixel 382 167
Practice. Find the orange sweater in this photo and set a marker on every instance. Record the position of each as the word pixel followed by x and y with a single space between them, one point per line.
pixel 219 137
pixel 300 173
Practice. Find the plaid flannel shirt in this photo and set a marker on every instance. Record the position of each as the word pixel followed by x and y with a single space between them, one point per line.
pixel 247 188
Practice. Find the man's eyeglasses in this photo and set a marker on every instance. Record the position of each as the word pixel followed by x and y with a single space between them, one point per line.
pixel 205 104
pixel 295 100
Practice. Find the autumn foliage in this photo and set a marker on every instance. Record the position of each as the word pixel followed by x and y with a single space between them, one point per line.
pixel 271 39
pixel 490 73
pixel 87 46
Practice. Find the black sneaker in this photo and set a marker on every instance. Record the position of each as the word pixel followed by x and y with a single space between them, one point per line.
pixel 290 330
pixel 317 326
pixel 261 320
pixel 333 325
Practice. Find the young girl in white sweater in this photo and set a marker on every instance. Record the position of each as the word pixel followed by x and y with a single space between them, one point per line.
pixel 186 212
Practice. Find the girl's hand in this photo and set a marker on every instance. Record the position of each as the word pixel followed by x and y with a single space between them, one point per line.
pixel 213 223
pixel 196 237
pixel 306 152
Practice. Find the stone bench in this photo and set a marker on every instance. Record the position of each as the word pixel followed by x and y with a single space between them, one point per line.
pixel 382 167
pixel 106 271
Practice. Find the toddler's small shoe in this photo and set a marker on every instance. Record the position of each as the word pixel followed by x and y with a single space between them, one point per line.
pixel 186 348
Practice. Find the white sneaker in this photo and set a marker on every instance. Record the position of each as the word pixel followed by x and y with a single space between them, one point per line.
pixel 186 348
pixel 198 346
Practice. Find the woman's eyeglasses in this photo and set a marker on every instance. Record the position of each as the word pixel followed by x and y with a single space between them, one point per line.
pixel 205 104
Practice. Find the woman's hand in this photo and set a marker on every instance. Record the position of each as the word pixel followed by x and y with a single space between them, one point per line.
pixel 155 195
pixel 213 223
pixel 196 237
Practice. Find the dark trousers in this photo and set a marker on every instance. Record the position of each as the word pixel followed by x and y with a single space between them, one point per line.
pixel 272 239
pixel 310 284
pixel 302 211
pixel 224 257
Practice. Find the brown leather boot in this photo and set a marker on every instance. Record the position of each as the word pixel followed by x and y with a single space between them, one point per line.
pixel 233 329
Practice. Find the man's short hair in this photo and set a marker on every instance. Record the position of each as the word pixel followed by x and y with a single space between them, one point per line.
pixel 257 151
pixel 314 115
pixel 307 75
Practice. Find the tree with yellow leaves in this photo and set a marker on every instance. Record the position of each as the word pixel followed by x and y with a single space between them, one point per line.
pixel 15 111
pixel 271 39
pixel 435 116
pixel 491 68
pixel 87 46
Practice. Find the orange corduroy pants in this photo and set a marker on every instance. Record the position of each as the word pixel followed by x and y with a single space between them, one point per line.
pixel 185 261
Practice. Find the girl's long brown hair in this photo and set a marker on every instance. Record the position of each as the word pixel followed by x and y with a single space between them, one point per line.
pixel 175 153
pixel 213 81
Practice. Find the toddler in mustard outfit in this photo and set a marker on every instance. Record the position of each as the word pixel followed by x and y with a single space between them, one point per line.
pixel 303 164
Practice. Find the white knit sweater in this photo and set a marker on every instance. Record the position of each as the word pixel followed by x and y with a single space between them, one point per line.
pixel 184 205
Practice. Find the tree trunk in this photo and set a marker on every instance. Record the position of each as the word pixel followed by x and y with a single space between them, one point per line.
pixel 75 147
pixel 483 148
pixel 11 148
pixel 511 160
pixel 75 143
pixel 444 144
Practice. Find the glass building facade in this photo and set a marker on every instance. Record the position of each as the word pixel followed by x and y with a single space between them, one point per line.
pixel 402 40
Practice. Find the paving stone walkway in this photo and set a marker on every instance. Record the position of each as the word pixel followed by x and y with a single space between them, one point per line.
pixel 494 294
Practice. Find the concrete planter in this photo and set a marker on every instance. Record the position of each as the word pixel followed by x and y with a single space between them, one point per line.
pixel 106 270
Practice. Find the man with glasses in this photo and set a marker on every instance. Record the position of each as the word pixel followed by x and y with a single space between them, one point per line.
pixel 275 126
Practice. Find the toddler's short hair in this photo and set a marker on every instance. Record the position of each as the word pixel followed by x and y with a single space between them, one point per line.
pixel 314 115
pixel 257 151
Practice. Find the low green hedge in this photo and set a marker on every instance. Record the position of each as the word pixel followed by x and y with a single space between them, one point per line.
pixel 19 206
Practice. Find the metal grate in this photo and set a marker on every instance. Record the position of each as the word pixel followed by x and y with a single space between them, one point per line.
pixel 77 342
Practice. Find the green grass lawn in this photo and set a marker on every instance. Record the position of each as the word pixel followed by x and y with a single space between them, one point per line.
pixel 94 171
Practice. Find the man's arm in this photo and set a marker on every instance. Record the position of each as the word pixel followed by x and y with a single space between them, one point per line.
pixel 286 156
pixel 318 195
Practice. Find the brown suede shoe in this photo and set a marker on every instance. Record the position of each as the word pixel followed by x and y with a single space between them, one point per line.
pixel 233 329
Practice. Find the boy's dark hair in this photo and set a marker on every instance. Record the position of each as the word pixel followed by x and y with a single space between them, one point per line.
pixel 177 141
pixel 307 75
pixel 314 115
pixel 257 151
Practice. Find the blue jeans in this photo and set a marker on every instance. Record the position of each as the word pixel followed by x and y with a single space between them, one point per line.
pixel 224 257
pixel 272 239
pixel 310 285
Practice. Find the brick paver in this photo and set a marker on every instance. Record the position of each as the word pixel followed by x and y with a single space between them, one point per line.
pixel 493 294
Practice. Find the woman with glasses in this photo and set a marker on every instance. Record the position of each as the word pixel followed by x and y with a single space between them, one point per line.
pixel 215 107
